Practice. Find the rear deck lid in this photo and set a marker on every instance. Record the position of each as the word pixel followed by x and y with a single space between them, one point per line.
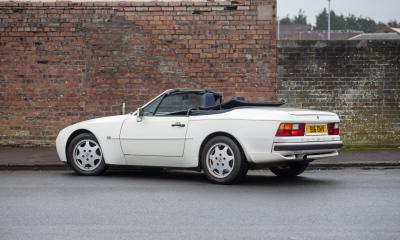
pixel 305 112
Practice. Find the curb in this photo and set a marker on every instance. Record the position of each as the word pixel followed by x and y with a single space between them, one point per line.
pixel 356 165
pixel 60 167
pixel 33 167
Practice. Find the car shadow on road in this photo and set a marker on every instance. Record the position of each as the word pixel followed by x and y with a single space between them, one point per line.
pixel 271 181
pixel 260 179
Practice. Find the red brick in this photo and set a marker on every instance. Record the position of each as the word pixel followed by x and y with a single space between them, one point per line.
pixel 106 53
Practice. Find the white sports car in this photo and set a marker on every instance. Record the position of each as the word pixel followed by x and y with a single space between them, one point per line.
pixel 195 129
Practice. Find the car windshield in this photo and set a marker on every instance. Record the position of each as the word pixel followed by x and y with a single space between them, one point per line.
pixel 151 108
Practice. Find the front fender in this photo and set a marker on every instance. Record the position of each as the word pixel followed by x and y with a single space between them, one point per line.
pixel 106 130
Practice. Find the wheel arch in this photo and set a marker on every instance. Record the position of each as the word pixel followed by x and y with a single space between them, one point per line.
pixel 220 133
pixel 73 135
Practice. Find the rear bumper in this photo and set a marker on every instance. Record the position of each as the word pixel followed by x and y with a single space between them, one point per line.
pixel 302 147
pixel 307 150
pixel 286 151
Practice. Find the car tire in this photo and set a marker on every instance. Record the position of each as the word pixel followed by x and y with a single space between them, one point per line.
pixel 289 169
pixel 222 161
pixel 85 156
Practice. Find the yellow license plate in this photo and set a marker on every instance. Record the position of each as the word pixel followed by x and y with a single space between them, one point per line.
pixel 316 129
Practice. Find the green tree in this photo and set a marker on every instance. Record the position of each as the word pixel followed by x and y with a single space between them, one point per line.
pixel 351 22
pixel 393 23
pixel 322 20
pixel 338 22
pixel 286 20
pixel 300 18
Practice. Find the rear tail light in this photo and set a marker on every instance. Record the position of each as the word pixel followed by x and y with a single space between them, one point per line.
pixel 290 130
pixel 333 129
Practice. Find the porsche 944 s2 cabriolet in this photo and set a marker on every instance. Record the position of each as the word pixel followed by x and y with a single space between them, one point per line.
pixel 195 129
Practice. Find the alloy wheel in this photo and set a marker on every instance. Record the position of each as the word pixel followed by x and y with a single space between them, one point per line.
pixel 220 160
pixel 87 155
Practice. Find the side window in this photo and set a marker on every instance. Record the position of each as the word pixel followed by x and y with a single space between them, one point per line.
pixel 179 104
pixel 194 101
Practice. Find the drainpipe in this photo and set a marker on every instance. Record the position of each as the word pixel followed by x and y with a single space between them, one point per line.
pixel 278 28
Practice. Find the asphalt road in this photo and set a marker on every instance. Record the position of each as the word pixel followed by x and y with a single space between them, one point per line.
pixel 323 204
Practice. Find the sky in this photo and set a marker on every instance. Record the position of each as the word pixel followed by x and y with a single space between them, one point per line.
pixel 382 10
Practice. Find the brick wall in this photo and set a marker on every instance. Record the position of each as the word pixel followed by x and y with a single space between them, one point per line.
pixel 359 80
pixel 62 62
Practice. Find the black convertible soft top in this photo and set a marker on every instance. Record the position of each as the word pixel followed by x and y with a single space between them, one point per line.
pixel 212 101
pixel 234 103
pixel 211 97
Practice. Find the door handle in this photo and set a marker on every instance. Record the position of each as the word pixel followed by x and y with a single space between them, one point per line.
pixel 177 124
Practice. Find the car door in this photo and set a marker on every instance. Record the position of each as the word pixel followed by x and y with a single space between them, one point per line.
pixel 162 130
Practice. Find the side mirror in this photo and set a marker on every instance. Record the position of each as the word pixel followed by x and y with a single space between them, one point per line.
pixel 139 114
